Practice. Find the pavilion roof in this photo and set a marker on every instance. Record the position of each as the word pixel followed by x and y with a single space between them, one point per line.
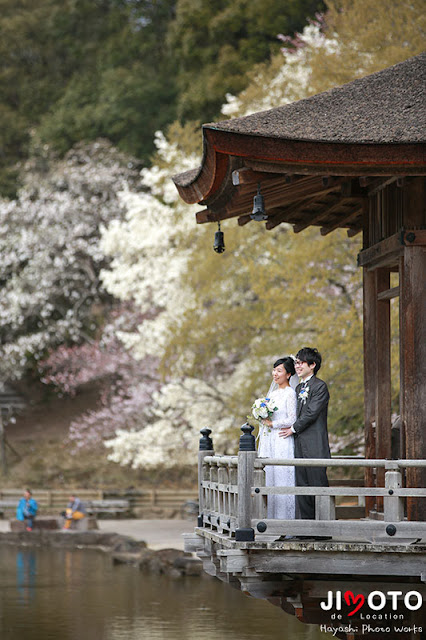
pixel 382 108
pixel 306 155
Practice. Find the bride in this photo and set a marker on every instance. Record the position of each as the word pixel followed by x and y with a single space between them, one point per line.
pixel 271 445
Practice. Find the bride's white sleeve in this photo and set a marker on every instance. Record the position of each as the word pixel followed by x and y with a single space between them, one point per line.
pixel 289 418
pixel 291 408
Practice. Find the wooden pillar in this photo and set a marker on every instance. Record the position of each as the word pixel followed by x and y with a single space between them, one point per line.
pixel 383 376
pixel 370 302
pixel 413 367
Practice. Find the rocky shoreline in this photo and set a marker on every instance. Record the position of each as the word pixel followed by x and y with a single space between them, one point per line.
pixel 122 550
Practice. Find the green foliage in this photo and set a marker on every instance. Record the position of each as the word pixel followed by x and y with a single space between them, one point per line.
pixel 79 69
pixel 372 36
pixel 217 43
pixel 361 37
pixel 268 295
pixel 84 69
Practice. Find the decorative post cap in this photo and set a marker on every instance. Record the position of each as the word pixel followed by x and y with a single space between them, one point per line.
pixel 247 440
pixel 206 443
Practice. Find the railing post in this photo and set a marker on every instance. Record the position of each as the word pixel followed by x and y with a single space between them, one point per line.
pixel 393 506
pixel 206 449
pixel 325 508
pixel 259 501
pixel 223 506
pixel 246 457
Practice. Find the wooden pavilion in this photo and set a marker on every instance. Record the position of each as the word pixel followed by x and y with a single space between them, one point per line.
pixel 353 158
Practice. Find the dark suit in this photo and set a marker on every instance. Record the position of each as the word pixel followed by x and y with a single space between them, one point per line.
pixel 311 441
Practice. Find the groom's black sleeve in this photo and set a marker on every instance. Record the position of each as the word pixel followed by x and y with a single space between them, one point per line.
pixel 318 402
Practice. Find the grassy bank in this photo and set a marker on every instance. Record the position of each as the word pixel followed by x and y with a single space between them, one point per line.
pixel 39 453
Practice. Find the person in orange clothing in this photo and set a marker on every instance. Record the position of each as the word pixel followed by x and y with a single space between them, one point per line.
pixel 75 511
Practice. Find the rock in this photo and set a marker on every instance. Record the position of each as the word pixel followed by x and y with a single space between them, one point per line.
pixel 189 566
pixel 126 558
pixel 128 545
pixel 39 523
pixel 174 573
pixel 123 549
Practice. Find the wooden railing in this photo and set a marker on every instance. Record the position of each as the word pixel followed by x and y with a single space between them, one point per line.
pixel 233 497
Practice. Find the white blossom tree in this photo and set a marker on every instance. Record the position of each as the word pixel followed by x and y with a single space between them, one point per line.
pixel 51 258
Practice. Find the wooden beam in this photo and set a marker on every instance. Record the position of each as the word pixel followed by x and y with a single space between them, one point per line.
pixel 370 374
pixel 381 184
pixel 351 189
pixel 329 208
pixel 353 232
pixel 341 222
pixel 245 175
pixel 376 184
pixel 203 216
pixel 275 195
pixel 415 213
pixel 330 168
pixel 383 375
pixel 302 190
pixel 388 294
pixel 329 181
pixel 243 220
pixel 391 248
pixel 284 215
pixel 364 181
pixel 388 247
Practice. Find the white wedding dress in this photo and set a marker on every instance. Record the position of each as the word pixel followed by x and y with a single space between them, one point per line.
pixel 272 446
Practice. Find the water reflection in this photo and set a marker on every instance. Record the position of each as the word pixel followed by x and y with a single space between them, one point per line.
pixel 25 575
pixel 80 595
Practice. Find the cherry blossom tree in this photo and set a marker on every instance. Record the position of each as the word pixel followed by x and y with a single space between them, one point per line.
pixel 51 258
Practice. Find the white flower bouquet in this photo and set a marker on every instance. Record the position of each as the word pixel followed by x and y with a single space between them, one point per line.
pixel 263 408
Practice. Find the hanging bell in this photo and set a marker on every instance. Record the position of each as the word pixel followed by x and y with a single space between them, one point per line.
pixel 219 242
pixel 258 212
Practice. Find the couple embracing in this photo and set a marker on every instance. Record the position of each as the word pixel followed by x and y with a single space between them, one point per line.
pixel 297 429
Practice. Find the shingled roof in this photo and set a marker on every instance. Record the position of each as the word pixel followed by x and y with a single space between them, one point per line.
pixel 374 126
pixel 387 107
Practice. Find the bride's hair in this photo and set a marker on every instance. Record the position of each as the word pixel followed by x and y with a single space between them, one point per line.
pixel 288 364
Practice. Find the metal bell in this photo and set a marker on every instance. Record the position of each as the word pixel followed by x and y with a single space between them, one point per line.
pixel 219 242
pixel 258 212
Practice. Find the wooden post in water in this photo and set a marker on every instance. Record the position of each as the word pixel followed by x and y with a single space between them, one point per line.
pixel 206 449
pixel 246 457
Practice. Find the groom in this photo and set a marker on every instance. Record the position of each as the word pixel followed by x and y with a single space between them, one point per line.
pixel 310 428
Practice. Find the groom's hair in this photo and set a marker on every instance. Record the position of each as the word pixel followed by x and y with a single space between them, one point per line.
pixel 311 356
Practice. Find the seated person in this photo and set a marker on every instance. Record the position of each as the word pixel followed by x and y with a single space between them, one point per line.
pixel 26 510
pixel 75 511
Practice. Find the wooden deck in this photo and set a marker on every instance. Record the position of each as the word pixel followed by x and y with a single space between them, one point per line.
pixel 267 559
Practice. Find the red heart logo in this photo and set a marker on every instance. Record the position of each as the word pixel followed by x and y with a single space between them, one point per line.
pixel 350 598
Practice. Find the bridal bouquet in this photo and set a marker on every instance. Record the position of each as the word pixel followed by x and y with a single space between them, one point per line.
pixel 263 408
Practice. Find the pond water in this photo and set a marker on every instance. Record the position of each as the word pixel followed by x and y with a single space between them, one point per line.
pixel 49 594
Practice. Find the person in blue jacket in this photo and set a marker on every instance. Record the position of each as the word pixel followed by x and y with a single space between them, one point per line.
pixel 26 510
